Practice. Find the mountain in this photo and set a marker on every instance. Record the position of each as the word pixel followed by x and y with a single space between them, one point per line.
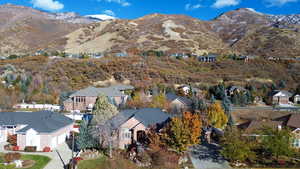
pixel 100 17
pixel 253 33
pixel 24 30
pixel 169 33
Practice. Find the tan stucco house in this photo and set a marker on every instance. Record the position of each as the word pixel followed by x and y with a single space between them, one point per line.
pixel 84 99
pixel 131 125
pixel 39 129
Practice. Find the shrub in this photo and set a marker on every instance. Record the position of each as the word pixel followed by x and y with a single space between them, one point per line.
pixel 12 139
pixel 46 149
pixel 15 148
pixel 8 147
pixel 10 157
pixel 30 149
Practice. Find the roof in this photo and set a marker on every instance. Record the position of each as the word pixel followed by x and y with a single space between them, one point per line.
pixel 171 97
pixel 111 91
pixel 253 126
pixel 147 116
pixel 294 120
pixel 282 93
pixel 42 121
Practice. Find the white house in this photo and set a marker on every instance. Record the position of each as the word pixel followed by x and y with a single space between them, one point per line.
pixel 40 129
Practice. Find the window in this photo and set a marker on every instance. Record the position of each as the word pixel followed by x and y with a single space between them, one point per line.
pixel 296 143
pixel 80 99
pixel 126 134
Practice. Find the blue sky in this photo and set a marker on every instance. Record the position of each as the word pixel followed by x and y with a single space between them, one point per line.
pixel 202 9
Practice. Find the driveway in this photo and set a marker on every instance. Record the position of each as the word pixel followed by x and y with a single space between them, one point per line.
pixel 59 157
pixel 207 157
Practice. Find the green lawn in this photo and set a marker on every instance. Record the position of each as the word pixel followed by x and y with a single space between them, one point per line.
pixel 40 161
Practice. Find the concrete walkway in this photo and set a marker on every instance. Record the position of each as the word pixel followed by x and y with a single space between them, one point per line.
pixel 208 157
pixel 59 157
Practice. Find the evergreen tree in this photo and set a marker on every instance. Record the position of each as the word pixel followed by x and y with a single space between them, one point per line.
pixel 103 110
pixel 85 139
pixel 282 84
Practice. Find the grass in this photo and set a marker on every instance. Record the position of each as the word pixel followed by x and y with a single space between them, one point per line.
pixel 106 163
pixel 40 162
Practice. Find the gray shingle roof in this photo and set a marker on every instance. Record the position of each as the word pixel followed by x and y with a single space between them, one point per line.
pixel 111 91
pixel 42 122
pixel 147 116
pixel 171 97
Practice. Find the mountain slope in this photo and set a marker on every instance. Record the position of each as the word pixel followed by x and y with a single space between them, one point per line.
pixel 169 33
pixel 24 30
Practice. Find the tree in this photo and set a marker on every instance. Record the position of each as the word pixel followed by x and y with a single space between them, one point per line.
pixel 85 139
pixel 159 101
pixel 216 115
pixel 103 110
pixel 235 147
pixel 282 84
pixel 226 104
pixel 277 142
pixel 136 101
pixel 183 131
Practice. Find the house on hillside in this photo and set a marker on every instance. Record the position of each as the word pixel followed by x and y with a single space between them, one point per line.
pixel 178 103
pixel 187 89
pixel 208 58
pixel 39 129
pixel 235 89
pixel 131 125
pixel 84 99
pixel 281 97
pixel 35 106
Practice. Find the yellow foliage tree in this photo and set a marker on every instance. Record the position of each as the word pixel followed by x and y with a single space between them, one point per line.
pixel 217 116
pixel 159 101
pixel 183 132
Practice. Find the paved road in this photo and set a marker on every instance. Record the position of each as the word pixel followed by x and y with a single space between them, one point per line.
pixel 59 157
pixel 207 157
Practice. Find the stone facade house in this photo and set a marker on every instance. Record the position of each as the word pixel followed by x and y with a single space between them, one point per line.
pixel 178 103
pixel 281 97
pixel 39 129
pixel 131 125
pixel 84 99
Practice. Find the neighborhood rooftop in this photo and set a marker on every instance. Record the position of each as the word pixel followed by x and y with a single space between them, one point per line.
pixel 42 122
pixel 111 91
pixel 146 116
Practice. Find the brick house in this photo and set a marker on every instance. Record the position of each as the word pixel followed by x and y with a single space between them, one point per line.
pixel 84 99
pixel 131 125
pixel 281 97
pixel 40 129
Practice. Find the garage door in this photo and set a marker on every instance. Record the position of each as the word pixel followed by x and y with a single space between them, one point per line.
pixel 62 138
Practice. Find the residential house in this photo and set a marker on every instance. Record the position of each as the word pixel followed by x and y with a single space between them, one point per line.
pixel 208 58
pixel 290 121
pixel 84 99
pixel 39 129
pixel 178 103
pixel 131 125
pixel 187 88
pixel 235 89
pixel 281 97
pixel 296 99
pixel 179 55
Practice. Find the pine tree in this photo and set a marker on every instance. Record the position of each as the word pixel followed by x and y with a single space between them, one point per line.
pixel 103 110
pixel 85 139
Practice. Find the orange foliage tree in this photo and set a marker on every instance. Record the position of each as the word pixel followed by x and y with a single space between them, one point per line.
pixel 183 131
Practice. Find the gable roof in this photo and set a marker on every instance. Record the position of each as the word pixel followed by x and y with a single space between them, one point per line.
pixel 282 93
pixel 42 121
pixel 146 116
pixel 251 127
pixel 171 97
pixel 111 91
pixel 294 120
